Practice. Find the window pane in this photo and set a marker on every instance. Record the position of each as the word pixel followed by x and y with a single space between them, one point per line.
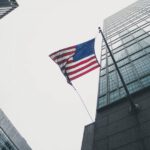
pixel 128 73
pixel 122 92
pixel 114 96
pixel 138 33
pixel 5 143
pixel 120 55
pixel 133 48
pixel 103 85
pixel 123 62
pixel 113 82
pixel 127 39
pixel 103 63
pixel 103 72
pixel 146 81
pixel 102 101
pixel 111 68
pixel 142 65
pixel 117 44
pixel 133 87
pixel 110 60
pixel 145 42
pixel 147 50
pixel 118 49
pixel 137 55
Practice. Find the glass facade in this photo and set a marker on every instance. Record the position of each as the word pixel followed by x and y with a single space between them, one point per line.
pixel 7 6
pixel 128 35
pixel 5 143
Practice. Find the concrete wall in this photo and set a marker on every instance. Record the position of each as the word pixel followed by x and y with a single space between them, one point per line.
pixel 118 129
pixel 12 133
pixel 87 142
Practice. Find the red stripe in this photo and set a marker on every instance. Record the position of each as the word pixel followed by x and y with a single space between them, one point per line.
pixel 62 50
pixel 63 55
pixel 75 77
pixel 82 68
pixel 63 61
pixel 80 63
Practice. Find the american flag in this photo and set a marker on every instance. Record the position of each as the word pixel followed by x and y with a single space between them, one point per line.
pixel 75 61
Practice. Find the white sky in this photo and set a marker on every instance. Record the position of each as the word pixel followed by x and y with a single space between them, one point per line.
pixel 34 94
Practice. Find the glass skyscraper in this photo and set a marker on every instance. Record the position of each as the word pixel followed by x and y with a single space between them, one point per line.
pixel 116 127
pixel 128 35
pixel 10 139
pixel 6 6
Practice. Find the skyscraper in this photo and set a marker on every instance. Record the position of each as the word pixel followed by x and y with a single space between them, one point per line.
pixel 10 139
pixel 116 128
pixel 6 6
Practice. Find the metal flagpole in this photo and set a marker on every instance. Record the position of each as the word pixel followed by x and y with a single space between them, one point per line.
pixel 134 107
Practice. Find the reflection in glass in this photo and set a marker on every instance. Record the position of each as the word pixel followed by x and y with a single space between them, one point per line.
pixel 5 143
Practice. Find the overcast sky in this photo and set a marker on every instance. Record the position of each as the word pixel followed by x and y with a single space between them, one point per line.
pixel 34 94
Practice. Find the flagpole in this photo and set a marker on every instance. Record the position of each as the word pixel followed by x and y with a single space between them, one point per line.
pixel 134 107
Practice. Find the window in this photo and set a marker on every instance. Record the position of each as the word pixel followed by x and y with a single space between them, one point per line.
pixel 114 96
pixel 120 55
pixel 114 37
pixel 5 143
pixel 128 73
pixel 132 28
pixel 102 101
pixel 103 85
pixel 127 39
pixel 137 55
pixel 103 72
pixel 103 63
pixel 142 65
pixel 103 51
pixel 122 92
pixel 133 48
pixel 147 29
pixel 111 68
pixel 141 23
pixel 133 87
pixel 138 33
pixel 117 44
pixel 118 49
pixel 145 42
pixel 146 81
pixel 123 62
pixel 147 49
pixel 110 61
pixel 113 82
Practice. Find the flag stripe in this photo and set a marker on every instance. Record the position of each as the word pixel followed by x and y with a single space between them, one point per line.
pixel 81 63
pixel 63 51
pixel 70 62
pixel 63 58
pixel 83 73
pixel 83 70
pixel 64 55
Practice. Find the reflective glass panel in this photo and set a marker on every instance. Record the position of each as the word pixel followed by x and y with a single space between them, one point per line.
pixel 5 143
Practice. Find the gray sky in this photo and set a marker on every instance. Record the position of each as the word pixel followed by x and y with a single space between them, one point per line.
pixel 34 94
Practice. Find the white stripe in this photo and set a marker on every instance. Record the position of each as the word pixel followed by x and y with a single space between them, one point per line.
pixel 62 52
pixel 82 71
pixel 80 66
pixel 63 58
pixel 74 63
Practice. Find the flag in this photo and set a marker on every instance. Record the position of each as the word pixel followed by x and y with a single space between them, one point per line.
pixel 75 61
